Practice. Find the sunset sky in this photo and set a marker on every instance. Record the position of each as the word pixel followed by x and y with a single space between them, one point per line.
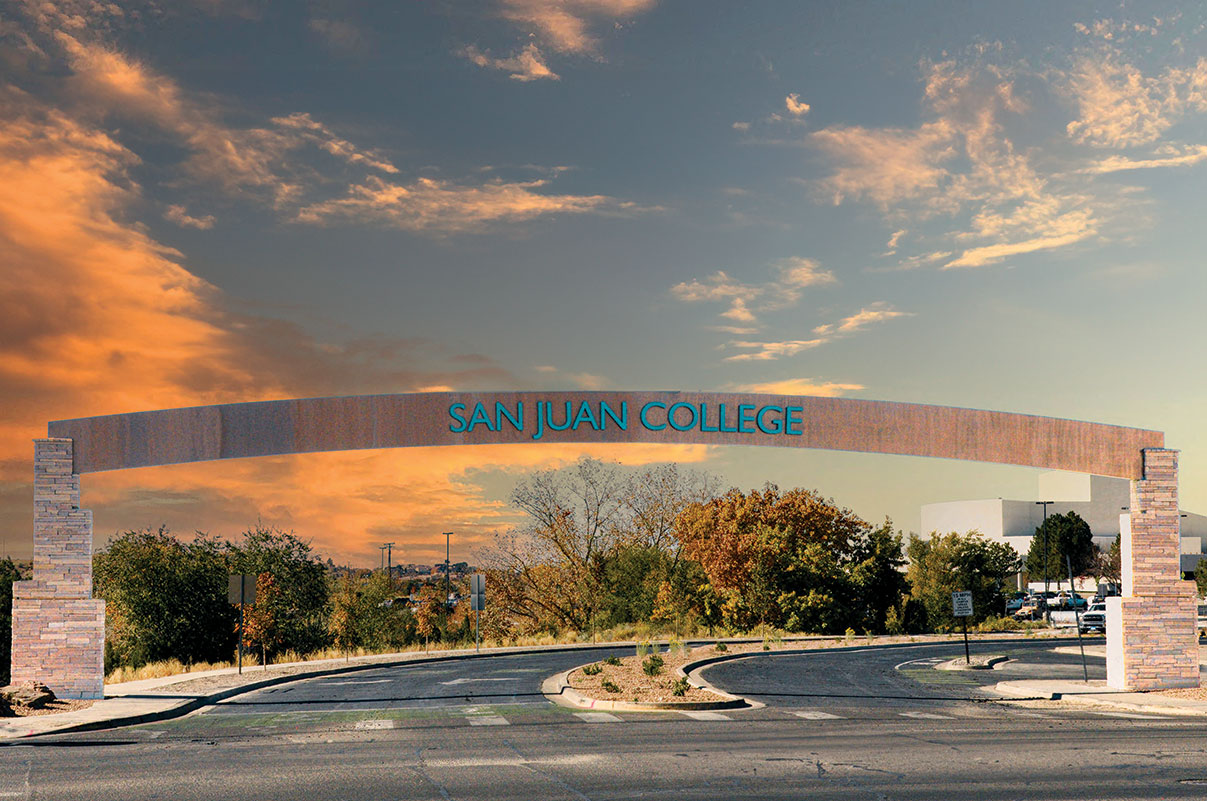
pixel 990 205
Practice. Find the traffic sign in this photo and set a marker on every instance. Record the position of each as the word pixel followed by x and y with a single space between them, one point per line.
pixel 961 604
pixel 477 592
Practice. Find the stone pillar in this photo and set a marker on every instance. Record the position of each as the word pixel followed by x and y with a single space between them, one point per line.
pixel 1152 639
pixel 58 627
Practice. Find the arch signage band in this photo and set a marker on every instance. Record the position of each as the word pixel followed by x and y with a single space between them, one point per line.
pixel 59 628
pixel 308 425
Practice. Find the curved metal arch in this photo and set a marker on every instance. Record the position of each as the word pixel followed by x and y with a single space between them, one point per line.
pixel 239 430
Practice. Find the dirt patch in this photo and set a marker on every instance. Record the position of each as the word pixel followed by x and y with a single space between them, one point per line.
pixel 51 708
pixel 1190 693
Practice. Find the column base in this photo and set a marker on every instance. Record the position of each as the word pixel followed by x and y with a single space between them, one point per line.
pixel 61 643
pixel 1152 642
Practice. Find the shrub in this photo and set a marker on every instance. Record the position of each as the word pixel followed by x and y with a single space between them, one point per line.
pixel 643 648
pixel 609 686
pixel 612 660
pixel 679 687
pixel 592 670
pixel 652 665
pixel 722 647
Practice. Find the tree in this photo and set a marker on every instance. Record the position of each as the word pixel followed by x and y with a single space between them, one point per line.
pixel 947 563
pixel 791 559
pixel 596 546
pixel 165 599
pixel 427 613
pixel 8 574
pixel 1200 577
pixel 342 621
pixel 298 603
pixel 1066 535
pixel 259 625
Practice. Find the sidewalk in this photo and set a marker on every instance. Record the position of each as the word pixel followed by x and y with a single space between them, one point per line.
pixel 1097 693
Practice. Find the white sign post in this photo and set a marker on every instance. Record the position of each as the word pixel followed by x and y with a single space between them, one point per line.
pixel 961 607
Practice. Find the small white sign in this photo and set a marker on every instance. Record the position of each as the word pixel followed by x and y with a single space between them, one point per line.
pixel 961 604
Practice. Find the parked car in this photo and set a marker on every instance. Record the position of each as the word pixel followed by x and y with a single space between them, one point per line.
pixel 1032 609
pixel 1068 600
pixel 1094 619
pixel 1015 602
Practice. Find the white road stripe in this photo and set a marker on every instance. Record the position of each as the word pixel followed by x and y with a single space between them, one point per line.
pixel 487 720
pixel 813 714
pixel 705 715
pixel 925 716
pixel 597 717
pixel 375 724
pixel 1129 715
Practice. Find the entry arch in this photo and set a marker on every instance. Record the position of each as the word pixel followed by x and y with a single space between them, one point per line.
pixel 58 628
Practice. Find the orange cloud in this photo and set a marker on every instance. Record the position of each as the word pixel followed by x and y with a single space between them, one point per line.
pixel 96 317
pixel 565 24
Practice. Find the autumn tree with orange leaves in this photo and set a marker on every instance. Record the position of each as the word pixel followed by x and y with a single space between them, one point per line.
pixel 794 560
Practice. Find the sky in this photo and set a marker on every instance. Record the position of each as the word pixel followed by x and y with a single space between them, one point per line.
pixel 991 205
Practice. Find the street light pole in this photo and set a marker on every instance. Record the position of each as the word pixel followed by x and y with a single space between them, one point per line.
pixel 448 579
pixel 1045 504
pixel 389 546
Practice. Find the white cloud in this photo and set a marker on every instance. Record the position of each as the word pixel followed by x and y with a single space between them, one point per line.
pixel 799 386
pixel 793 275
pixel 794 105
pixel 767 351
pixel 566 24
pixel 181 216
pixel 741 126
pixel 428 204
pixel 1166 157
pixel 1120 106
pixel 527 65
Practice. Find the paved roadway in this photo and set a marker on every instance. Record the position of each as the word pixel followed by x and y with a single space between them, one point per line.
pixel 865 724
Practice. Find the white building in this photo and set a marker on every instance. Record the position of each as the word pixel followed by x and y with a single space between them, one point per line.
pixel 1100 501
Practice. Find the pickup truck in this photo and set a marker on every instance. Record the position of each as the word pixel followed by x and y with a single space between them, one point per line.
pixel 1093 619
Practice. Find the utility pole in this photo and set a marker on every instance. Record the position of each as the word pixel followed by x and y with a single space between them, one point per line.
pixel 382 548
pixel 448 578
pixel 389 546
pixel 1045 504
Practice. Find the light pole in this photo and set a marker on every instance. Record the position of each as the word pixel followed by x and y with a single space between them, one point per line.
pixel 389 546
pixel 448 579
pixel 1045 504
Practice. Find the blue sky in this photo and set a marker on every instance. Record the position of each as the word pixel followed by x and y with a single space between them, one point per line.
pixel 990 205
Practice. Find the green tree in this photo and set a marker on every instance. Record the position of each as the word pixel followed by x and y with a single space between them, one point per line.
pixel 1066 535
pixel 165 599
pixel 298 604
pixel 792 559
pixel 8 574
pixel 1200 577
pixel 947 563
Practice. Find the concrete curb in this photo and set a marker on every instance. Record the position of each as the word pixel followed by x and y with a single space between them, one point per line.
pixel 983 664
pixel 1115 699
pixel 558 690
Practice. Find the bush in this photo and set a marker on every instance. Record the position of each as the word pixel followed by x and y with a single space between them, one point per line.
pixel 612 660
pixel 679 687
pixel 165 600
pixel 609 686
pixel 652 665
pixel 592 670
pixel 721 647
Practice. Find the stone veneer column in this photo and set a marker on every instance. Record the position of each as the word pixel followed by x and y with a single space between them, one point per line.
pixel 1152 639
pixel 58 627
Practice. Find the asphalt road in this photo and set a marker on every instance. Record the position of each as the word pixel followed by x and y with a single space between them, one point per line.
pixel 870 723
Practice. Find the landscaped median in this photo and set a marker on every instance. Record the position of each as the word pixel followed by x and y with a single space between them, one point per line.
pixel 650 679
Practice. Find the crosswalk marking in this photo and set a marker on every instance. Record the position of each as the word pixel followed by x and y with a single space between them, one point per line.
pixel 706 715
pixel 375 724
pixel 1129 715
pixel 816 714
pixel 487 720
pixel 596 717
pixel 924 716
